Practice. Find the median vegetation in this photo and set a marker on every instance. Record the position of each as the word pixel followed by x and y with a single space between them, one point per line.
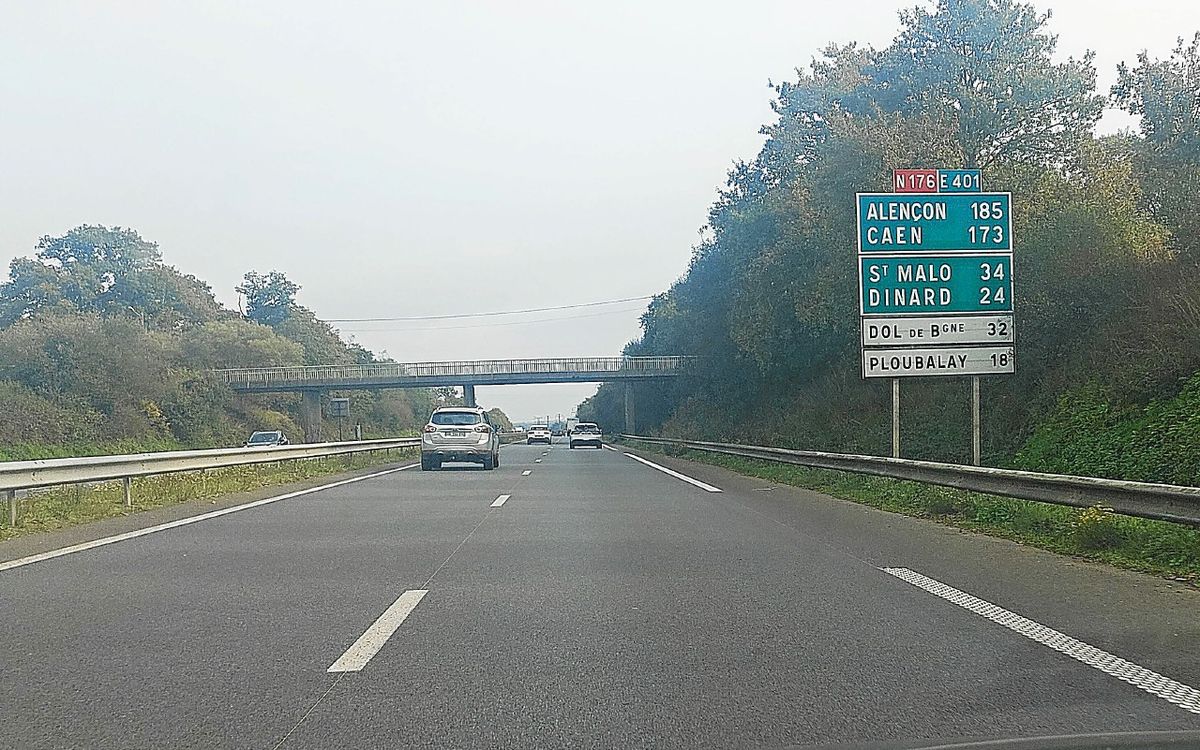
pixel 1097 534
pixel 61 507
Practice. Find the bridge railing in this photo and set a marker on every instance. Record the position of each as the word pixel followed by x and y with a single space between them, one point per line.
pixel 399 370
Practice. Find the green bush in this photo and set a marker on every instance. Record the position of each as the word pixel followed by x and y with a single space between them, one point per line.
pixel 1096 528
pixel 1090 433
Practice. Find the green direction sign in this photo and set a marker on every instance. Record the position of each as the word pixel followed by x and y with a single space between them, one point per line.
pixel 927 284
pixel 933 222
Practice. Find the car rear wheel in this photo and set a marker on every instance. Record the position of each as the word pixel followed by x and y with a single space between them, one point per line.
pixel 496 459
pixel 426 464
pixel 488 463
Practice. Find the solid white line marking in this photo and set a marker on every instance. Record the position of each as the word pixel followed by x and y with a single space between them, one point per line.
pixel 610 448
pixel 369 643
pixel 527 472
pixel 185 521
pixel 676 474
pixel 1187 698
pixel 500 501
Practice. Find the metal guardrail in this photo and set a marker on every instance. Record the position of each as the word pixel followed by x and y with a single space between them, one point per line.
pixel 1162 502
pixel 22 475
pixel 397 370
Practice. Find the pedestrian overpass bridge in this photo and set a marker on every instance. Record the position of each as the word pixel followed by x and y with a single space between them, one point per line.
pixel 313 381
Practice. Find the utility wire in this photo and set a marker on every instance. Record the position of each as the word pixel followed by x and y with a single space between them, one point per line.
pixel 456 328
pixel 488 314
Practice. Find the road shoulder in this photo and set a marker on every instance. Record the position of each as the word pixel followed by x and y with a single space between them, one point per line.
pixel 1144 618
pixel 33 544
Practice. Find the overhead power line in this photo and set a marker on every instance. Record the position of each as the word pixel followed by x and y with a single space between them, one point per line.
pixel 489 314
pixel 623 311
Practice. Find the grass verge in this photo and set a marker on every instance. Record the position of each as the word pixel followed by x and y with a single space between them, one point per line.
pixel 60 507
pixel 1158 547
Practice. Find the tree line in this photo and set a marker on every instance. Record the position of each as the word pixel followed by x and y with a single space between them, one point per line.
pixel 103 347
pixel 1107 248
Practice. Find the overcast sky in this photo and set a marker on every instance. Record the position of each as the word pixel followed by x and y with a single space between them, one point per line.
pixel 404 159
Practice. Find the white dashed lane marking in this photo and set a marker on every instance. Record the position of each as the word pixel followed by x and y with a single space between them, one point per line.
pixel 526 473
pixel 369 643
pixel 1184 696
pixel 500 501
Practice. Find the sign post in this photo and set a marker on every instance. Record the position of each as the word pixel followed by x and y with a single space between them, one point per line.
pixel 936 283
pixel 975 427
pixel 340 408
pixel 895 417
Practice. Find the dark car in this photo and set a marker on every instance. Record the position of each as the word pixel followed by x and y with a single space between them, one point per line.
pixel 264 438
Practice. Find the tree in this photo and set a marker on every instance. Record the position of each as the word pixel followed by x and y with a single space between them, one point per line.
pixel 111 271
pixel 986 67
pixel 270 297
pixel 101 341
pixel 500 419
pixel 1165 94
pixel 238 343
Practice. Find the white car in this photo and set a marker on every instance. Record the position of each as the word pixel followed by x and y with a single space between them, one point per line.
pixel 539 433
pixel 460 433
pixel 587 433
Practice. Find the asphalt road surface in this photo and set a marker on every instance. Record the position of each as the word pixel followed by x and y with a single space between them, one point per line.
pixel 580 598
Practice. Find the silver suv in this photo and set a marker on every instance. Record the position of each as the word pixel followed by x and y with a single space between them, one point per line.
pixel 460 433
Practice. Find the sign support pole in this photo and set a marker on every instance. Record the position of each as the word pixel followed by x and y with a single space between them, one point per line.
pixel 895 417
pixel 975 427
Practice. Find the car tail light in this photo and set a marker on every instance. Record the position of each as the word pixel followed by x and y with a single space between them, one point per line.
pixel 482 428
pixel 430 428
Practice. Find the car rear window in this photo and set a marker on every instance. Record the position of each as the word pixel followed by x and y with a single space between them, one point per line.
pixel 586 428
pixel 264 437
pixel 455 418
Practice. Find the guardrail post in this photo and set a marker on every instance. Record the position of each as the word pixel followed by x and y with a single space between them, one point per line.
pixel 127 486
pixel 12 507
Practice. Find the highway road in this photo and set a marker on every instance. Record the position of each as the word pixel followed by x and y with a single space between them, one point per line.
pixel 580 599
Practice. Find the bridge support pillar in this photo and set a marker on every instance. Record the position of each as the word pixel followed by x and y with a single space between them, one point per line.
pixel 310 415
pixel 630 422
pixel 469 395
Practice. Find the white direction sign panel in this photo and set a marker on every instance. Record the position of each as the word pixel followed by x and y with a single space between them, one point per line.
pixel 926 361
pixel 937 330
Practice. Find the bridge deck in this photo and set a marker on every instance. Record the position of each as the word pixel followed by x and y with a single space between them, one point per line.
pixel 435 374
